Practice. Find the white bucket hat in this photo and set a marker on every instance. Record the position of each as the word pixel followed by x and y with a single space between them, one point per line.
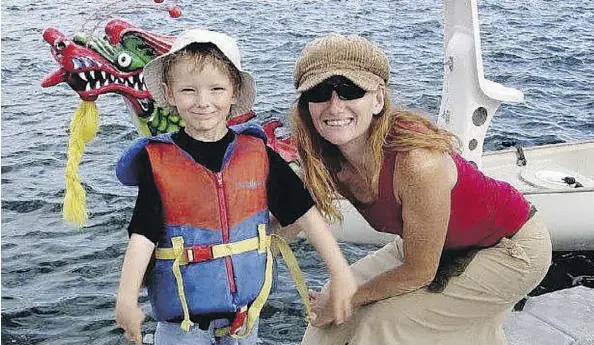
pixel 153 71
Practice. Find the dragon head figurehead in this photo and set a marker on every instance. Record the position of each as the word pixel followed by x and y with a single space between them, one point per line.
pixel 92 66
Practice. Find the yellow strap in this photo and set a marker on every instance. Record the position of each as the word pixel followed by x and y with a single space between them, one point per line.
pixel 264 240
pixel 219 250
pixel 234 248
pixel 254 311
pixel 178 249
pixel 256 307
pixel 294 270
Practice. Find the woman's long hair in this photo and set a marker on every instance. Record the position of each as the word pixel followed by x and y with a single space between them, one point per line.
pixel 392 130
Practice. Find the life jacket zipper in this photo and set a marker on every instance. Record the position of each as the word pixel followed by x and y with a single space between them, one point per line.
pixel 225 229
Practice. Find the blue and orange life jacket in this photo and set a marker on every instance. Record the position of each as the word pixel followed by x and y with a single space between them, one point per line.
pixel 214 255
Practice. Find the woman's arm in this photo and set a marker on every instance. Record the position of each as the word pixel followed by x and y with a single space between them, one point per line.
pixel 128 314
pixel 423 183
pixel 342 281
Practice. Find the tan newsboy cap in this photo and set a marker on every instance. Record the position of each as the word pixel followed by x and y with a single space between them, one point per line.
pixel 353 57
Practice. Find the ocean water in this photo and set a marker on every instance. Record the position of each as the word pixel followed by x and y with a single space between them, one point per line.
pixel 59 283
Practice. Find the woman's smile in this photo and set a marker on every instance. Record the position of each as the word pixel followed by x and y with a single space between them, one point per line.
pixel 339 123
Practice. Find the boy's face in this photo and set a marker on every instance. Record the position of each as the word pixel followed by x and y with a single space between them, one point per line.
pixel 203 98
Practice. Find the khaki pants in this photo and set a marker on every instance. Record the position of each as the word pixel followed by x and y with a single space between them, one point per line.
pixel 470 310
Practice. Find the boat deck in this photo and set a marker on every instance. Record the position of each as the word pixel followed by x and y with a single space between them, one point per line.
pixel 564 317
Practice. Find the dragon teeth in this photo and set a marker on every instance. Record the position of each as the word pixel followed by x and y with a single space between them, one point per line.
pixel 83 76
pixel 103 74
pixel 98 84
pixel 136 87
pixel 88 87
pixel 141 77
pixel 106 82
pixel 131 79
pixel 111 77
pixel 92 74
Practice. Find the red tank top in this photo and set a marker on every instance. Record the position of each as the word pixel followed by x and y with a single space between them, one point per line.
pixel 483 210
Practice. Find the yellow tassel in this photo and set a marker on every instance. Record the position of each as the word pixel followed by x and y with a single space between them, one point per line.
pixel 83 129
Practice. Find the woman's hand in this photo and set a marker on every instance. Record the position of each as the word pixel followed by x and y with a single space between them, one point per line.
pixel 130 317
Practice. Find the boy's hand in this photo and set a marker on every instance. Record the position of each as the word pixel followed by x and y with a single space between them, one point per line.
pixel 321 308
pixel 128 314
pixel 342 288
pixel 342 283
pixel 129 317
pixel 333 303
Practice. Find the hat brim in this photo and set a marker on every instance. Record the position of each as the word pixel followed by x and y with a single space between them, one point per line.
pixel 153 79
pixel 246 97
pixel 365 80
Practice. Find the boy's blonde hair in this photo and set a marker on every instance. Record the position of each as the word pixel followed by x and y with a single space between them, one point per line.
pixel 199 55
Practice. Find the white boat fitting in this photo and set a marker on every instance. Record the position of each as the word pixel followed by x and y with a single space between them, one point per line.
pixel 558 179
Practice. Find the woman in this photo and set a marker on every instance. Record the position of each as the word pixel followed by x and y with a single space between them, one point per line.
pixel 471 246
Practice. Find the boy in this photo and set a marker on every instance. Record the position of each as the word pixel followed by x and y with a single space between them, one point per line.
pixel 203 202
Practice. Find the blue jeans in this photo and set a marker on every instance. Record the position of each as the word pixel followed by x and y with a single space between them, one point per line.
pixel 170 334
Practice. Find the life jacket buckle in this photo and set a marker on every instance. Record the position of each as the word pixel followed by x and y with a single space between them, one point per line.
pixel 198 254
pixel 239 321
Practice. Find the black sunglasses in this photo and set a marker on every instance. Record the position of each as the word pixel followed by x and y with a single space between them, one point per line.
pixel 345 89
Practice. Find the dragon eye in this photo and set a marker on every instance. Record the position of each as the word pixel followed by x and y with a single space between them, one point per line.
pixel 59 45
pixel 124 60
